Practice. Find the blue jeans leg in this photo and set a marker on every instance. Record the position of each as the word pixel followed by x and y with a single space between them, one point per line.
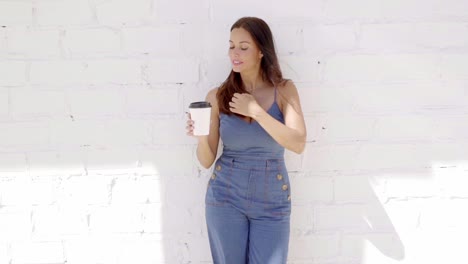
pixel 228 232
pixel 269 240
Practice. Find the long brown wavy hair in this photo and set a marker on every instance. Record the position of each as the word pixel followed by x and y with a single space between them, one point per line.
pixel 269 65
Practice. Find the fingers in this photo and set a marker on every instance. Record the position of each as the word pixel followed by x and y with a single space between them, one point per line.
pixel 239 95
pixel 189 128
pixel 233 107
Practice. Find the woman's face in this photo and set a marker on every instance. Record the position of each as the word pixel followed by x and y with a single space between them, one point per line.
pixel 243 52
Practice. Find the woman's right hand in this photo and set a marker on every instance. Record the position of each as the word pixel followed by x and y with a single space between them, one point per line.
pixel 189 127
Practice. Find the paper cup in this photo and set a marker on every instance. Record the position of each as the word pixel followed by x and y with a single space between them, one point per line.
pixel 200 113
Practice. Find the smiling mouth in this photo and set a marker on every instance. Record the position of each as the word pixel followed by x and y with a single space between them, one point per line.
pixel 236 62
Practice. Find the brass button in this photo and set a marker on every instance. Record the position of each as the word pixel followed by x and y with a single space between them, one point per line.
pixel 285 187
pixel 213 176
pixel 218 168
pixel 279 177
pixel 289 197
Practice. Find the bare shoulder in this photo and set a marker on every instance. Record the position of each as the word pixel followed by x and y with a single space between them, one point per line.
pixel 288 89
pixel 213 99
pixel 288 94
pixel 211 96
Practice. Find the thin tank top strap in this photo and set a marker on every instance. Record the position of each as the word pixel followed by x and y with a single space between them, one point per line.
pixel 275 93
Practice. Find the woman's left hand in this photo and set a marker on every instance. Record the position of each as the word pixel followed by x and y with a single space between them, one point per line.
pixel 244 104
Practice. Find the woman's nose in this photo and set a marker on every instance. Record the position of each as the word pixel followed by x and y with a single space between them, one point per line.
pixel 234 52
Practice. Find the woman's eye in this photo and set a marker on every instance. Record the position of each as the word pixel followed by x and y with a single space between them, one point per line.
pixel 241 48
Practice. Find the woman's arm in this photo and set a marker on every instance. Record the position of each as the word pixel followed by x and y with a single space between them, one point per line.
pixel 291 134
pixel 208 145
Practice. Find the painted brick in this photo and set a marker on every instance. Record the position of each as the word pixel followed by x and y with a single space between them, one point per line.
pixel 134 191
pixel 390 243
pixel 330 158
pixel 314 246
pixel 113 71
pixel 15 223
pixel 359 218
pixel 401 67
pixel 116 219
pixel 24 134
pixel 167 11
pixel 160 41
pixel 112 160
pixel 56 72
pixel 413 37
pixel 174 161
pixel 345 11
pixel 300 69
pixel 92 41
pixel 147 250
pixel 84 190
pixel 353 189
pixel 121 12
pixel 322 39
pixel 37 252
pixel 89 102
pixel 434 10
pixel 55 163
pixel 174 70
pixel 309 190
pixel 454 66
pixel 324 98
pixel 406 97
pixel 46 42
pixel 72 13
pixel 393 156
pixel 13 162
pixel 16 13
pixel 405 127
pixel 13 73
pixel 297 10
pixel 146 100
pixel 31 102
pixel 331 127
pixel 93 248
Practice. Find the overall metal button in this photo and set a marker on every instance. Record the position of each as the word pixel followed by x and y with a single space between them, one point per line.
pixel 279 177
pixel 289 197
pixel 285 187
pixel 213 176
pixel 218 168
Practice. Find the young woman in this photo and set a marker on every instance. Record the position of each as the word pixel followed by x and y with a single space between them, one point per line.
pixel 257 114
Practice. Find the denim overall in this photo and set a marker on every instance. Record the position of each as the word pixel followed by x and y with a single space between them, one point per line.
pixel 248 202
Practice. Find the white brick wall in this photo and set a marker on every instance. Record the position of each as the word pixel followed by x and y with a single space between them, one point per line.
pixel 95 166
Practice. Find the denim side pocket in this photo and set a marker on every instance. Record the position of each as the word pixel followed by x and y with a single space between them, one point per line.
pixel 218 185
pixel 278 192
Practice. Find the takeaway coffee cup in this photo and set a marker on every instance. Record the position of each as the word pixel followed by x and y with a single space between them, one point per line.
pixel 200 113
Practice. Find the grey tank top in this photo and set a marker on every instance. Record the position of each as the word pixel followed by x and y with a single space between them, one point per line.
pixel 241 138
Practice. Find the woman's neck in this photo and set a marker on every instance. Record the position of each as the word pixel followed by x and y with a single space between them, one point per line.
pixel 252 80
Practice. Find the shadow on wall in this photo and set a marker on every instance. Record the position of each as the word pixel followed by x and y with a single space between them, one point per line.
pixel 340 230
pixel 337 216
pixel 182 190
